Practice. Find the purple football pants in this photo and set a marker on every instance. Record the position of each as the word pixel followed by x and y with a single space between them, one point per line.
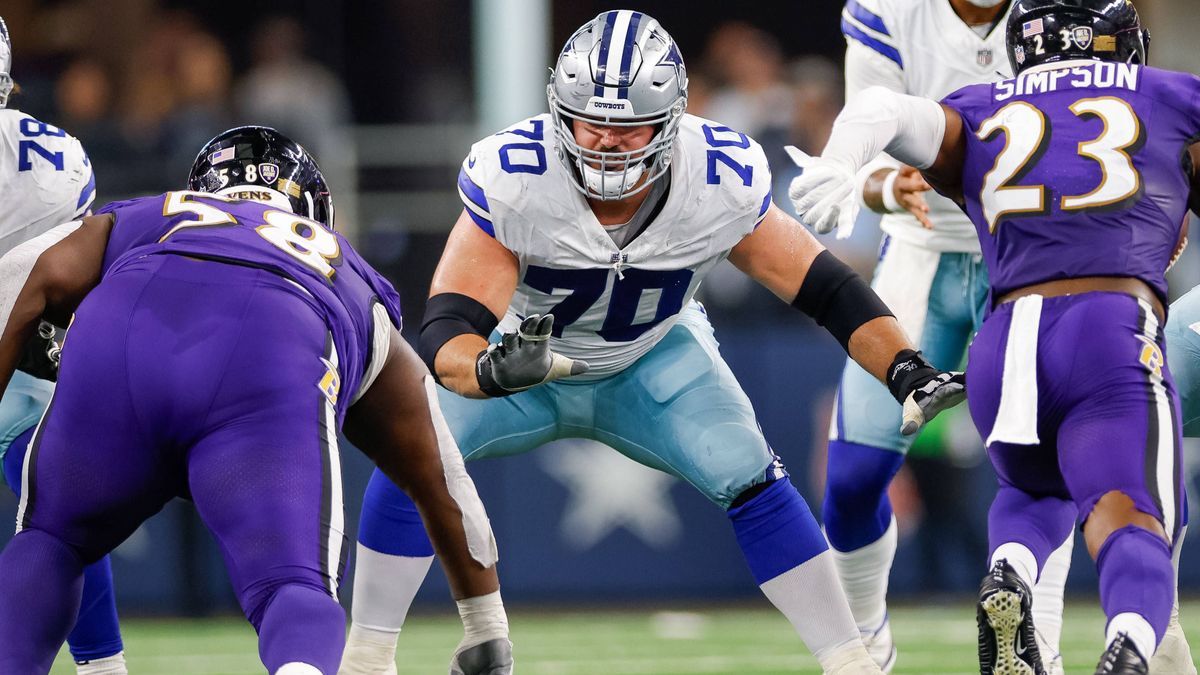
pixel 190 378
pixel 1106 419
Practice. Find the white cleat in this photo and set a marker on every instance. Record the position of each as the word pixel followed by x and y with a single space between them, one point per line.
pixel 1174 655
pixel 881 646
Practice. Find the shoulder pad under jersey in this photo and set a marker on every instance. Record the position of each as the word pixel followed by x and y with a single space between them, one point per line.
pixel 507 171
pixel 726 169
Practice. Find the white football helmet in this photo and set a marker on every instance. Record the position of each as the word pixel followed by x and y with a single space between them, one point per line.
pixel 6 81
pixel 619 69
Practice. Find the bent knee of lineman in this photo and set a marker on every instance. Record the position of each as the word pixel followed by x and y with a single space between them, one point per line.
pixel 730 459
pixel 257 596
pixel 1113 511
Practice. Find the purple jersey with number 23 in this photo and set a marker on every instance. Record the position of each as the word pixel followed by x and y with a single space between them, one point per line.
pixel 1077 169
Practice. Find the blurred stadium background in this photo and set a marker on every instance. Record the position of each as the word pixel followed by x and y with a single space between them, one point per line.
pixel 389 95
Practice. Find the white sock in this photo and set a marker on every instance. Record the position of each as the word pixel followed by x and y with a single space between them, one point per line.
pixel 811 598
pixel 1048 598
pixel 864 574
pixel 483 619
pixel 297 668
pixel 109 665
pixel 1138 631
pixel 1020 558
pixel 369 651
pixel 851 659
pixel 384 588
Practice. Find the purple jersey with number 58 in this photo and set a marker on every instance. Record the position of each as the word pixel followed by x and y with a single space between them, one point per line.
pixel 327 273
pixel 1078 169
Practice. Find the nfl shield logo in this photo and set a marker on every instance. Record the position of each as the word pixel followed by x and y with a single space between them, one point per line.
pixel 269 172
pixel 1019 53
pixel 983 57
pixel 1082 36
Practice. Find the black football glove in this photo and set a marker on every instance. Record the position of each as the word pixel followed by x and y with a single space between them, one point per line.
pixel 523 359
pixel 923 390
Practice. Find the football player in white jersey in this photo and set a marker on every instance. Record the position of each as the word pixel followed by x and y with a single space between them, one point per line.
pixel 932 275
pixel 46 180
pixel 588 230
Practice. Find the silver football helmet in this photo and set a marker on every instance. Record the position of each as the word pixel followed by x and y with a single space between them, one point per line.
pixel 619 69
pixel 6 81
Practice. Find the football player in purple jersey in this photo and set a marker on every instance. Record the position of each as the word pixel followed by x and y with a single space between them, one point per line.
pixel 220 338
pixel 1078 174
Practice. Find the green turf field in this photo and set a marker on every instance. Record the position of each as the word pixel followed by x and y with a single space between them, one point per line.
pixel 734 641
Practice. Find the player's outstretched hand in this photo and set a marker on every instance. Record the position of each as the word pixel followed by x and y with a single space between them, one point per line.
pixel 823 194
pixel 493 657
pixel 923 390
pixel 523 359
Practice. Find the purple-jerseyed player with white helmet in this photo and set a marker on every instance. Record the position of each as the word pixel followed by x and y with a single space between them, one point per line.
pixel 1078 175
pixel 220 338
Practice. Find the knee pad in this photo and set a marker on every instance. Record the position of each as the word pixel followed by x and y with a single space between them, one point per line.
pixel 856 508
pixel 775 529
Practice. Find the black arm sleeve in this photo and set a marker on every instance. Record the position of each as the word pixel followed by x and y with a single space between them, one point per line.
pixel 837 298
pixel 448 315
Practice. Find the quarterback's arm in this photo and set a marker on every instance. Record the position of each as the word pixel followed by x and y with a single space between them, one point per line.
pixel 476 272
pixel 55 281
pixel 779 255
pixel 392 424
pixel 884 185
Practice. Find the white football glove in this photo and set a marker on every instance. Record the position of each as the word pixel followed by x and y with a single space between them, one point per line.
pixel 823 195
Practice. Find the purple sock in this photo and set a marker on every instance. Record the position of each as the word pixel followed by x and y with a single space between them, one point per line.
pixel 302 624
pixel 1136 576
pixel 41 581
pixel 1040 524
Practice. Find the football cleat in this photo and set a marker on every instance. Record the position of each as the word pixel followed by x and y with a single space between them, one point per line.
pixel 881 646
pixel 1007 643
pixel 493 657
pixel 1122 658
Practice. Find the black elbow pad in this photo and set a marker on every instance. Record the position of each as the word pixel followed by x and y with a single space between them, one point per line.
pixel 448 315
pixel 837 298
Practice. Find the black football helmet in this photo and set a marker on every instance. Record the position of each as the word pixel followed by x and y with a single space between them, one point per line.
pixel 1044 31
pixel 253 157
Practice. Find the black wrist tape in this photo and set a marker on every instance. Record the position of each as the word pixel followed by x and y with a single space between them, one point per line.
pixel 837 298
pixel 448 315
pixel 483 375
pixel 909 370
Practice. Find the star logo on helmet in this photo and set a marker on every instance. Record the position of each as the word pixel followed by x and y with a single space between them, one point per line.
pixel 674 59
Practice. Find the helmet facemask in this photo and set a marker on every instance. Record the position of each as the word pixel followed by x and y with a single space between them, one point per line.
pixel 621 70
pixel 608 176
